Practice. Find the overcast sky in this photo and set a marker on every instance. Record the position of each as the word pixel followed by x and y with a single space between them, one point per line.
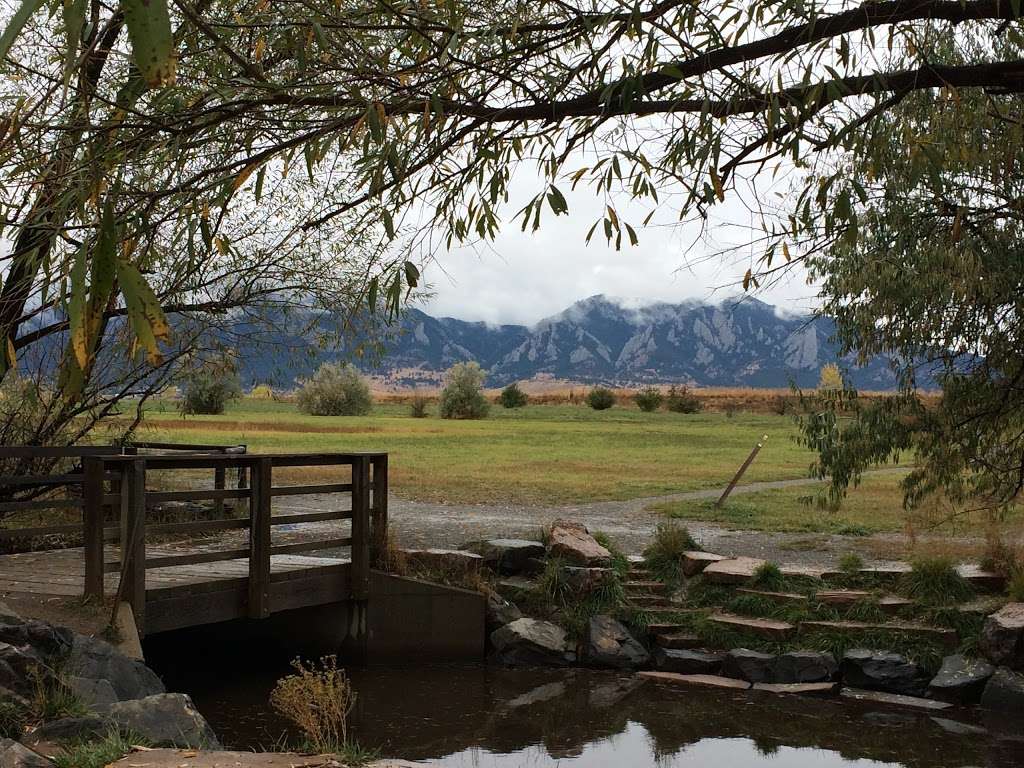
pixel 525 276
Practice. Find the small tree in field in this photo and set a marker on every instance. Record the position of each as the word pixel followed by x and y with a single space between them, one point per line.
pixel 335 390
pixel 207 388
pixel 513 397
pixel 463 396
pixel 648 399
pixel 830 378
pixel 600 398
pixel 682 400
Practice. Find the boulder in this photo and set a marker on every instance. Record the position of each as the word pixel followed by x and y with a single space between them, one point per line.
pixel 1004 693
pixel 687 662
pixel 695 562
pixel 532 642
pixel 580 579
pixel 752 666
pixel 803 667
pixel 960 680
pixel 45 639
pixel 445 560
pixel 97 695
pixel 507 556
pixel 1002 636
pixel 20 668
pixel 500 612
pixel 882 671
pixel 609 644
pixel 15 755
pixel 95 659
pixel 70 729
pixel 168 719
pixel 572 542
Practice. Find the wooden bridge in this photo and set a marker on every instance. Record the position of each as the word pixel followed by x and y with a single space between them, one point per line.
pixel 171 576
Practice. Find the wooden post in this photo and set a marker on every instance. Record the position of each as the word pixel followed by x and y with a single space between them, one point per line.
pixel 379 546
pixel 360 582
pixel 740 471
pixel 219 483
pixel 259 539
pixel 92 526
pixel 133 539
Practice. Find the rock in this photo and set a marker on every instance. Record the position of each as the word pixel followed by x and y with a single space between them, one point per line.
pixel 960 680
pixel 580 579
pixel 678 640
pixel 687 662
pixel 804 689
pixel 1002 636
pixel 957 728
pixel 700 681
pixel 507 556
pixel 538 695
pixel 168 719
pixel 20 668
pixel 735 570
pixel 803 667
pixel 980 578
pixel 748 665
pixel 447 560
pixel 770 628
pixel 70 729
pixel 780 598
pixel 97 695
pixel 500 612
pixel 47 640
pixel 894 699
pixel 96 659
pixel 882 671
pixel 15 755
pixel 695 562
pixel 609 644
pixel 1004 692
pixel 572 542
pixel 528 642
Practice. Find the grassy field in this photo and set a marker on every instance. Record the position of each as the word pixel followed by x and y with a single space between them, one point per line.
pixel 875 506
pixel 537 455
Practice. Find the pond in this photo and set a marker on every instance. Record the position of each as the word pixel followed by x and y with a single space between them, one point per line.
pixel 481 716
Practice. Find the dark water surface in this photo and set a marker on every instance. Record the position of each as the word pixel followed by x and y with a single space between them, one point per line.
pixel 479 716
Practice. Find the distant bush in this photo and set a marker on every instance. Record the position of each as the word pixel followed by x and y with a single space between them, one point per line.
pixel 682 400
pixel 830 378
pixel 600 398
pixel 208 388
pixel 463 396
pixel 513 397
pixel 649 399
pixel 261 392
pixel 418 406
pixel 335 390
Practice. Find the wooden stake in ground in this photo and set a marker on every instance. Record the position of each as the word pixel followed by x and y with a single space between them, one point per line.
pixel 740 471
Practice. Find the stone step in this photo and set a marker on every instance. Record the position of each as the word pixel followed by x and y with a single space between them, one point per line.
pixel 782 598
pixel 700 681
pixel 735 570
pixel 946 637
pixel 650 601
pixel 894 699
pixel 677 641
pixel 771 628
pixel 845 598
pixel 664 628
pixel 805 689
pixel 645 587
pixel 695 562
pixel 979 578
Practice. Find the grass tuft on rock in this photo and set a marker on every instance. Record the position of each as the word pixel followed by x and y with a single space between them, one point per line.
pixel 935 581
pixel 851 563
pixel 664 556
pixel 101 753
pixel 768 576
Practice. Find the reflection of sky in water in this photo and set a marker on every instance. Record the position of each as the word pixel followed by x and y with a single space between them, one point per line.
pixel 634 749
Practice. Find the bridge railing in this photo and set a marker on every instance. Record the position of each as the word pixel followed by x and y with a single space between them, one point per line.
pixel 46 493
pixel 121 482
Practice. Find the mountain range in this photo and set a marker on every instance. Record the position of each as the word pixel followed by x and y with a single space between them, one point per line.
pixel 737 342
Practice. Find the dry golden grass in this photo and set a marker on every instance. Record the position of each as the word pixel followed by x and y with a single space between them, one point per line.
pixel 317 699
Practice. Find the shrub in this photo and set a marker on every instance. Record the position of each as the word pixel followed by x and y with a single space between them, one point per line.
pixel 463 396
pixel 317 699
pixel 664 556
pixel 513 397
pixel 851 563
pixel 600 398
pixel 935 581
pixel 418 406
pixel 648 399
pixel 681 400
pixel 830 378
pixel 208 388
pixel 335 390
pixel 768 576
pixel 261 392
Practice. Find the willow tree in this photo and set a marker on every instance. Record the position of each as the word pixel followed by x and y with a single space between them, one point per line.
pixel 413 117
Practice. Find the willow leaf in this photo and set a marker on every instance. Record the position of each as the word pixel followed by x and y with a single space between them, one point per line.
pixel 149 29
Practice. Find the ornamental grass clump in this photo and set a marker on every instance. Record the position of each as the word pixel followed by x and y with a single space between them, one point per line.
pixel 935 581
pixel 317 699
pixel 664 556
